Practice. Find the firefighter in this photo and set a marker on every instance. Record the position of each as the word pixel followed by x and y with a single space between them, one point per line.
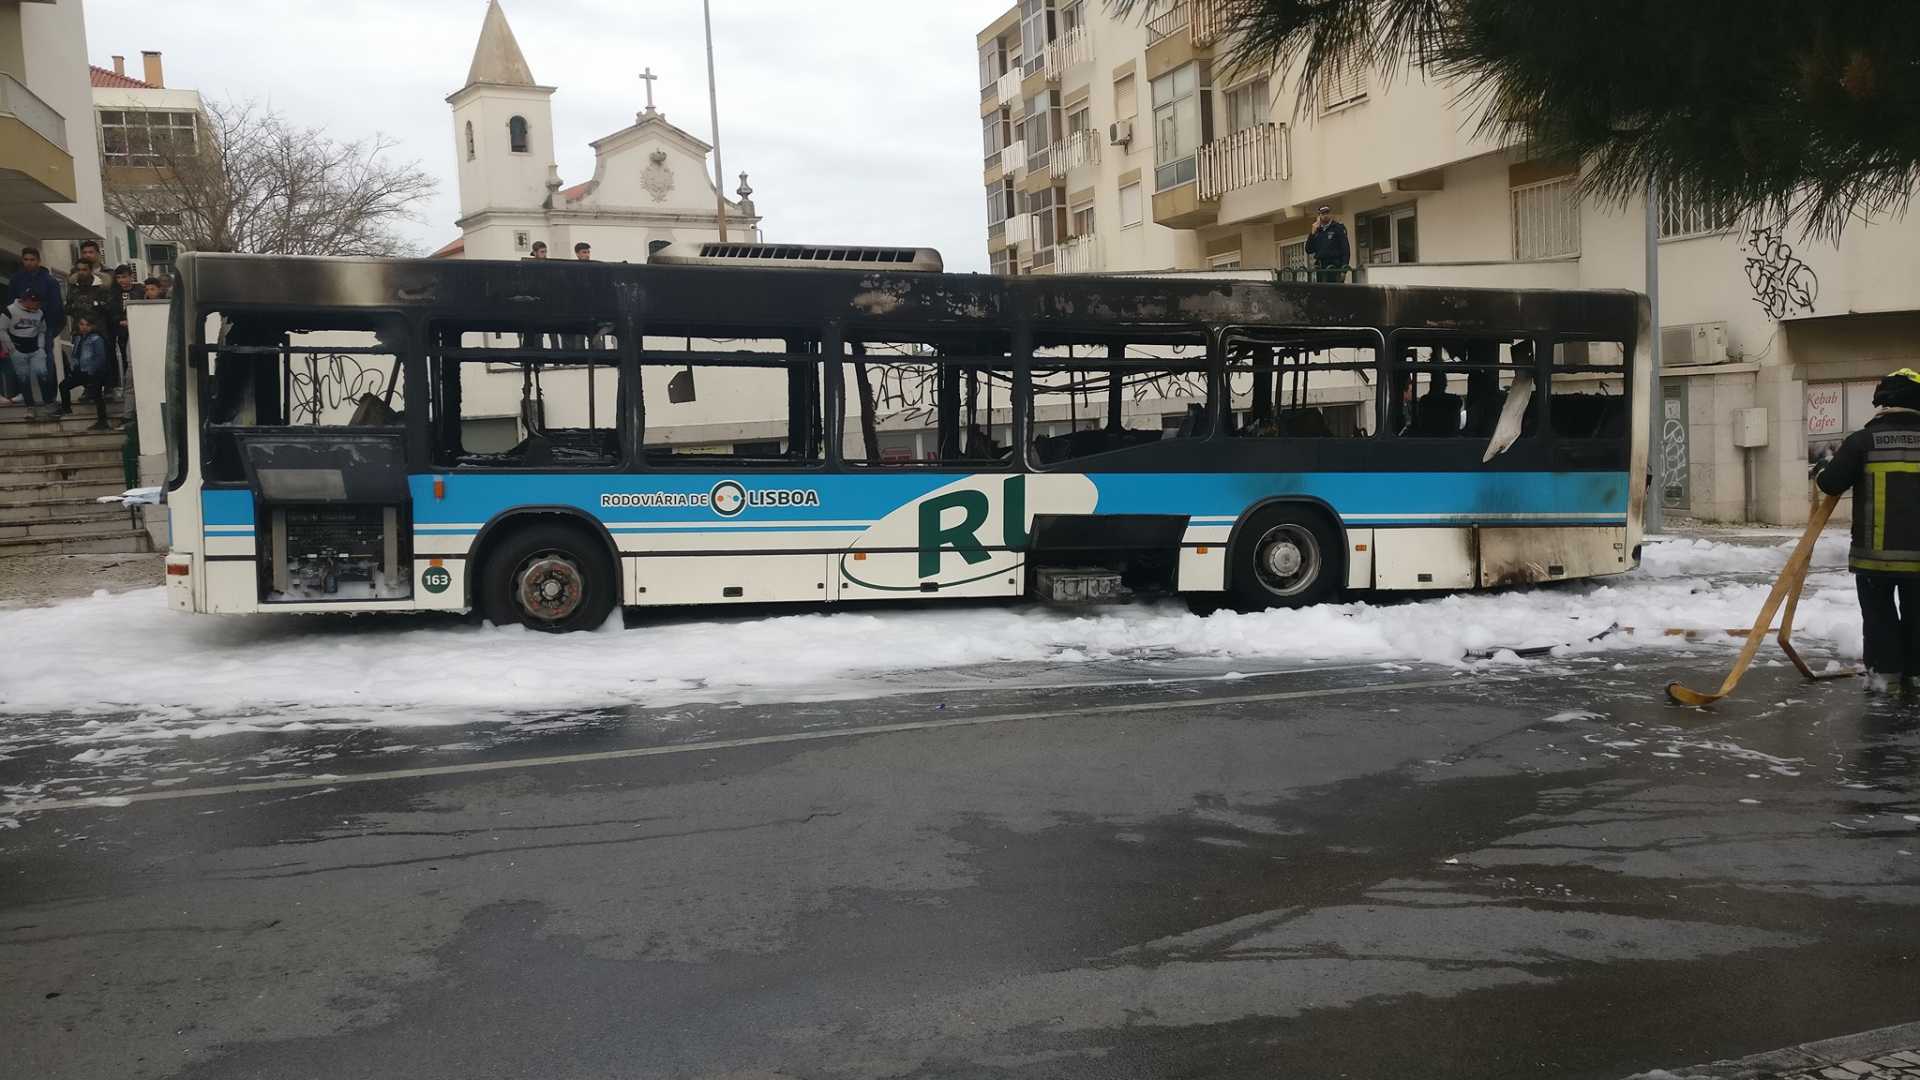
pixel 1880 464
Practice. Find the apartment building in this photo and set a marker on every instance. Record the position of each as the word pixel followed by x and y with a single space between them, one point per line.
pixel 1129 145
pixel 50 193
pixel 139 120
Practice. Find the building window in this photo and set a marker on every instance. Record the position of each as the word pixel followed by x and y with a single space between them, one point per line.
pixel 1387 236
pixel 521 241
pixel 160 259
pixel 1073 17
pixel 1037 31
pixel 1229 260
pixel 1342 82
pixel 990 129
pixel 1293 256
pixel 1082 219
pixel 146 136
pixel 1683 213
pixel 1546 219
pixel 1079 121
pixel 1048 209
pixel 469 140
pixel 517 134
pixel 1129 206
pixel 1181 124
pixel 1248 106
pixel 1126 100
pixel 999 201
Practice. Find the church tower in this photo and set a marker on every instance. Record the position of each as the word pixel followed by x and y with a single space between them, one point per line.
pixel 503 141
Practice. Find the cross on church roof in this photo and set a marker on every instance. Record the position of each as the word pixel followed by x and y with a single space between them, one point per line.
pixel 648 77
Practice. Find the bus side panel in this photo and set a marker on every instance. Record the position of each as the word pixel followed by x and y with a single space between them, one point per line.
pixel 1524 556
pixel 727 579
pixel 1423 558
pixel 229 583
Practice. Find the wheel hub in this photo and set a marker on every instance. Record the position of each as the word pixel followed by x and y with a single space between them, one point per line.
pixel 1283 558
pixel 1287 561
pixel 549 587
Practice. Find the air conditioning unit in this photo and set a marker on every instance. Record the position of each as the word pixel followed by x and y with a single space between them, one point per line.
pixel 1120 132
pixel 1691 344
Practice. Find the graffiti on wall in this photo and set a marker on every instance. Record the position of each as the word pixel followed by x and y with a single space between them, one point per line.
pixel 1782 281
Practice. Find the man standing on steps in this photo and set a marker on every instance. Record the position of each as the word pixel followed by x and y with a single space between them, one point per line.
pixel 39 279
pixel 1880 464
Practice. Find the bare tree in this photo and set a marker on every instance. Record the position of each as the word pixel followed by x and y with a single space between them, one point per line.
pixel 251 181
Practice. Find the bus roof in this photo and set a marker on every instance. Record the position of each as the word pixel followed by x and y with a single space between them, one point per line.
pixel 669 296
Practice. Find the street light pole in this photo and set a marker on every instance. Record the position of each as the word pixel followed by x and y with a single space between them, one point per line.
pixel 1655 517
pixel 713 105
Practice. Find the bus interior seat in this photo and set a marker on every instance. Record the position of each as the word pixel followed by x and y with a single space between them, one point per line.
pixel 1195 425
pixel 373 412
pixel 1437 414
pixel 1078 444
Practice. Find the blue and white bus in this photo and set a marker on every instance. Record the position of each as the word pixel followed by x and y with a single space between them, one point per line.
pixel 543 441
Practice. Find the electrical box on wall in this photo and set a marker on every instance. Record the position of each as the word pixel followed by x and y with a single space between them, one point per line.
pixel 1749 428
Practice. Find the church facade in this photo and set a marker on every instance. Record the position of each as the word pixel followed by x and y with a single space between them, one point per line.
pixel 651 184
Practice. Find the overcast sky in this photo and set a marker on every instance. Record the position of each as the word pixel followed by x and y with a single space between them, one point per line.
pixel 857 120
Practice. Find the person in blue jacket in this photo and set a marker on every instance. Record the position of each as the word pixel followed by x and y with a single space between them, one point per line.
pixel 37 279
pixel 1328 246
pixel 88 369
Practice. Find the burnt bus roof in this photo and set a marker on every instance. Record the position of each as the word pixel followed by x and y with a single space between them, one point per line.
pixel 666 298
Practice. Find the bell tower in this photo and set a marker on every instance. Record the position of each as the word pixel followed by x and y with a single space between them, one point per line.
pixel 502 126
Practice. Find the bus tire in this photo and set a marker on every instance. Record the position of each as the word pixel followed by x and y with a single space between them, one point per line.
pixel 548 576
pixel 1285 557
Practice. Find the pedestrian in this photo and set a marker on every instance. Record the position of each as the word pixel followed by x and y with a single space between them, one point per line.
pixel 33 276
pixel 583 251
pixel 152 289
pixel 88 369
pixel 1880 464
pixel 90 296
pixel 539 250
pixel 125 290
pixel 27 352
pixel 1328 245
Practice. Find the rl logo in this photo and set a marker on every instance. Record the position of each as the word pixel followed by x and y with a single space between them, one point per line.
pixel 954 520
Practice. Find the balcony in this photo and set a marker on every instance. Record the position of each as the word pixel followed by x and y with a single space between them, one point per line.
pixel 1071 49
pixel 1013 157
pixel 1008 88
pixel 33 146
pixel 1202 20
pixel 1080 255
pixel 1079 150
pixel 1019 229
pixel 1169 22
pixel 1249 156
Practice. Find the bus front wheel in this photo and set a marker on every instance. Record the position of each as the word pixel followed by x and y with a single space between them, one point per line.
pixel 548 577
pixel 1285 557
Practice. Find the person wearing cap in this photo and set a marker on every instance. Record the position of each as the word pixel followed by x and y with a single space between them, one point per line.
pixel 26 347
pixel 1880 465
pixel 1328 245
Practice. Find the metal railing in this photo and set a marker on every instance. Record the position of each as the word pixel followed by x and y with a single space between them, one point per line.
pixel 1080 255
pixel 1080 148
pixel 1244 158
pixel 1208 22
pixel 1170 22
pixel 26 106
pixel 1072 48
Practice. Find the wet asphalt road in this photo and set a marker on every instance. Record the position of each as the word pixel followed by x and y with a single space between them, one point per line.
pixel 1365 872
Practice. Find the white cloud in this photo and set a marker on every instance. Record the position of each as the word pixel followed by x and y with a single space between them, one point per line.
pixel 858 120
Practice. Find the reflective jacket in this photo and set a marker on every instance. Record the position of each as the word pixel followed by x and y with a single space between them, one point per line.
pixel 1880 464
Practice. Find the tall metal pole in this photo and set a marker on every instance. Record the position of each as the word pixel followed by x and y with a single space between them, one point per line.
pixel 713 105
pixel 1656 455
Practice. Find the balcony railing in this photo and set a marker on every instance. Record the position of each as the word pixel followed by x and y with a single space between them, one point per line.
pixel 1014 157
pixel 1019 229
pixel 1080 255
pixel 1070 49
pixel 1080 149
pixel 1203 19
pixel 1008 87
pixel 1244 158
pixel 27 107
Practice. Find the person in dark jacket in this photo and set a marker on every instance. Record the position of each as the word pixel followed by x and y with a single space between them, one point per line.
pixel 88 368
pixel 1880 464
pixel 1328 246
pixel 38 279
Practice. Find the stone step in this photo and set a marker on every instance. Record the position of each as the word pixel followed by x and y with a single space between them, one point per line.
pixel 15 459
pixel 15 420
pixel 34 494
pixel 125 542
pixel 60 509
pixel 66 525
pixel 14 476
pixel 12 442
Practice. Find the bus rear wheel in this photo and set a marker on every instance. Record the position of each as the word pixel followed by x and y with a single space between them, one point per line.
pixel 1285 558
pixel 549 577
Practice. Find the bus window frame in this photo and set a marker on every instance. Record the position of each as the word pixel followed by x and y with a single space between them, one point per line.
pixel 1583 446
pixel 1205 336
pixel 427 452
pixel 1391 363
pixel 200 350
pixel 643 358
pixel 851 334
pixel 1381 336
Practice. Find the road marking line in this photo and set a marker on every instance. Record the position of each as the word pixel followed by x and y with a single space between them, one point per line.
pixel 99 802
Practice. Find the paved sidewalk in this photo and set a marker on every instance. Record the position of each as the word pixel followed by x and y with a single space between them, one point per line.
pixel 1891 1053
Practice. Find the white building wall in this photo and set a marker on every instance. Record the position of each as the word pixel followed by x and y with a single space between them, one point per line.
pixel 54 38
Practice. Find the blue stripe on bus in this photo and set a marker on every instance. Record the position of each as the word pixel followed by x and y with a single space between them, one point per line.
pixel 1370 498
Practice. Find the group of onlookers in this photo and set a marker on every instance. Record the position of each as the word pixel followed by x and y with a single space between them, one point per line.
pixel 582 251
pixel 83 316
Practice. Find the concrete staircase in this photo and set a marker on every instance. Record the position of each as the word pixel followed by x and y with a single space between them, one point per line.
pixel 51 471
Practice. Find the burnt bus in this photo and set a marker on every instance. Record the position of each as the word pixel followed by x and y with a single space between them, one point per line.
pixel 543 441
